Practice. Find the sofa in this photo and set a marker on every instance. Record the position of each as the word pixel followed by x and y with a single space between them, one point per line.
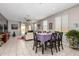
pixel 1 40
pixel 5 37
pixel 29 35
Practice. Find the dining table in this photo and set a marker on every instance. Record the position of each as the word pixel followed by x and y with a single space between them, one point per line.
pixel 43 37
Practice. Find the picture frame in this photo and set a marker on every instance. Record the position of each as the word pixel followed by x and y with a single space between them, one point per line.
pixel 38 26
pixel 14 26
pixel 50 25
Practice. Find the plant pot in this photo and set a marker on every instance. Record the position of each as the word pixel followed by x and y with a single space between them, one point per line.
pixel 73 44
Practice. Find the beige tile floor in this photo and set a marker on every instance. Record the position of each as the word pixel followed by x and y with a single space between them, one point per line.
pixel 14 47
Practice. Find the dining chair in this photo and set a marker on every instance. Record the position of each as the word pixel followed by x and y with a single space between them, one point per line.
pixel 34 40
pixel 44 32
pixel 36 43
pixel 39 31
pixel 43 39
pixel 60 40
pixel 53 41
pixel 40 38
pixel 59 36
pixel 49 37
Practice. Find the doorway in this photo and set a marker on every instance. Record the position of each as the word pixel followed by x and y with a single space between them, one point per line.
pixel 23 27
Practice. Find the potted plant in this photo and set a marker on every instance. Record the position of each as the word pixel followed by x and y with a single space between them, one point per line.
pixel 73 37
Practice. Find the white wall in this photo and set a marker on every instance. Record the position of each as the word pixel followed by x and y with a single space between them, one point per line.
pixel 2 19
pixel 73 17
pixel 18 31
pixel 51 20
pixel 41 25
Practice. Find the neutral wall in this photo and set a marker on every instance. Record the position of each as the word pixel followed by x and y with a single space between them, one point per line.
pixel 41 25
pixel 51 20
pixel 2 19
pixel 73 17
pixel 18 31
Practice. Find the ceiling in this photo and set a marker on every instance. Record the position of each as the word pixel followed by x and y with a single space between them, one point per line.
pixel 35 11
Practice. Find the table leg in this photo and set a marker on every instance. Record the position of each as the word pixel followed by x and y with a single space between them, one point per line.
pixel 45 45
pixel 42 48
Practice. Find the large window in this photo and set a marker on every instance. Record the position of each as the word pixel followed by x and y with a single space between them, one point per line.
pixel 65 23
pixel 45 25
pixel 61 23
pixel 58 23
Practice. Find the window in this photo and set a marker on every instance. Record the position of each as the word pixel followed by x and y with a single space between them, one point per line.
pixel 65 23
pixel 58 23
pixel 45 25
pixel 61 23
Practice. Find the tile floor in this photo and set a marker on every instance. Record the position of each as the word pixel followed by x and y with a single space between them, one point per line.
pixel 14 47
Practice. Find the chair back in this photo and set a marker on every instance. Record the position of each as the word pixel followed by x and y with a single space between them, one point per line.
pixel 39 31
pixel 53 37
pixel 35 37
pixel 44 32
pixel 56 35
pixel 60 35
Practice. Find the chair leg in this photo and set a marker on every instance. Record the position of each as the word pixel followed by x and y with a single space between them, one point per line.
pixel 36 50
pixel 51 47
pixel 39 44
pixel 62 45
pixel 36 46
pixel 56 47
pixel 33 45
pixel 45 45
pixel 59 45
